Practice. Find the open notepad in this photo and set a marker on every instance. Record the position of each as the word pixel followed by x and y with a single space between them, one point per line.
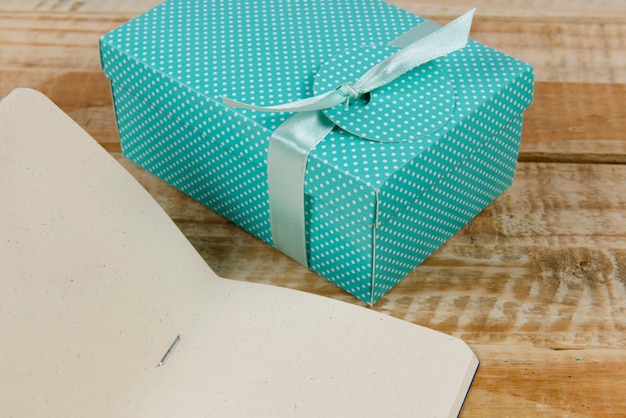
pixel 97 283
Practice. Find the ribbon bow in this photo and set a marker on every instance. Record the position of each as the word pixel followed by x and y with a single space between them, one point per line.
pixel 292 141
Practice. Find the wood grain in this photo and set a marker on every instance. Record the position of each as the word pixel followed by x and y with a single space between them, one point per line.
pixel 520 272
pixel 576 122
pixel 536 284
pixel 569 121
pixel 519 9
pixel 522 381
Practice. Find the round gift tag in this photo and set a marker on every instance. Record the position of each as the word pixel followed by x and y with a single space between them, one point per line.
pixel 412 106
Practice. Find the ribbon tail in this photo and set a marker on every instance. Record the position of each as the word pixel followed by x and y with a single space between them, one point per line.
pixel 418 32
pixel 288 154
pixel 438 43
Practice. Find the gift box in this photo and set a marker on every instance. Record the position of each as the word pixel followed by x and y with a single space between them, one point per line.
pixel 397 171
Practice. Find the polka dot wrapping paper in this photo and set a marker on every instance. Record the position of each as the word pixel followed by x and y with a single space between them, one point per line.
pixel 405 169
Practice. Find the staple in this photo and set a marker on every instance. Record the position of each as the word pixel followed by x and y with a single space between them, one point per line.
pixel 169 351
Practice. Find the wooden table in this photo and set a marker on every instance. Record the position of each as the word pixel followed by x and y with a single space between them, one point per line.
pixel 536 284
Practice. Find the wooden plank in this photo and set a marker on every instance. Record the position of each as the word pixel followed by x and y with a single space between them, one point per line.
pixel 536 284
pixel 576 111
pixel 542 265
pixel 596 9
pixel 127 7
pixel 45 52
pixel 563 50
pixel 576 122
pixel 591 50
pixel 588 150
pixel 519 9
pixel 541 279
pixel 524 381
pixel 560 51
pixel 568 121
pixel 545 264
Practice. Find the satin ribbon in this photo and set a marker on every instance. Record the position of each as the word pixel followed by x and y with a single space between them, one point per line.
pixel 292 142
pixel 428 46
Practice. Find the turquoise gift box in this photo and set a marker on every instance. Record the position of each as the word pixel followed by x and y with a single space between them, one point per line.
pixel 408 165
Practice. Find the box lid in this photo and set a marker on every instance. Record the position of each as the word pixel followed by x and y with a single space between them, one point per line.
pixel 268 52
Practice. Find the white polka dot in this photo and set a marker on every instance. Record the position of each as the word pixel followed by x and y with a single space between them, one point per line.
pixel 448 132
